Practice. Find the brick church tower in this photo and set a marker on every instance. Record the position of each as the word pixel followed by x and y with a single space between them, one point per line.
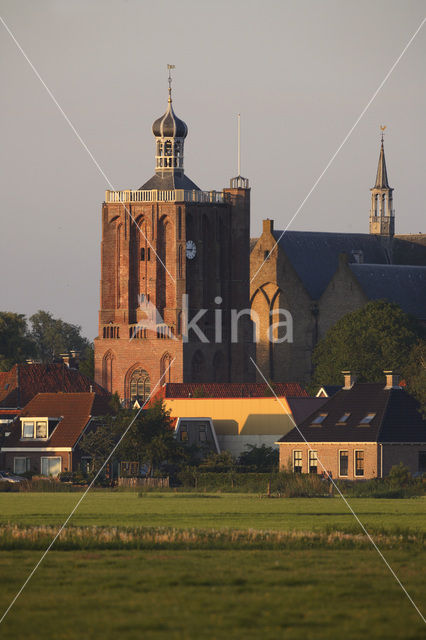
pixel 169 251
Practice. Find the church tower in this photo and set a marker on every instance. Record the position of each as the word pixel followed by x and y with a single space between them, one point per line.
pixel 382 214
pixel 171 252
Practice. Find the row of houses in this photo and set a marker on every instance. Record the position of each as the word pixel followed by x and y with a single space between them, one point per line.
pixel 357 431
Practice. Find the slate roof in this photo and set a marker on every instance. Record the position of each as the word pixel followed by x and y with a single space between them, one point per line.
pixel 253 242
pixel 169 125
pixel 19 385
pixel 231 390
pixel 330 389
pixel 315 255
pixel 75 410
pixel 402 284
pixel 382 174
pixel 168 181
pixel 301 408
pixel 396 419
pixel 409 249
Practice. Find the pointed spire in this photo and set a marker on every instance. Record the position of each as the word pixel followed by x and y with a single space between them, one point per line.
pixel 382 175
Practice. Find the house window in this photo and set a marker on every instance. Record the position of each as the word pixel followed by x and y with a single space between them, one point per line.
pixel 359 463
pixel 203 434
pixel 21 465
pixel 41 429
pixel 367 419
pixel 297 461
pixel 343 463
pixel 51 466
pixel 343 420
pixel 184 433
pixel 28 430
pixel 422 461
pixel 313 461
pixel 319 419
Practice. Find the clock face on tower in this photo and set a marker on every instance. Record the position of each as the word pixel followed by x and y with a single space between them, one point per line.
pixel 191 249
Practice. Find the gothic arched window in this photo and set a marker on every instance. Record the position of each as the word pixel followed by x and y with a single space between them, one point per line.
pixel 140 386
pixel 107 367
pixel 165 368
pixel 197 367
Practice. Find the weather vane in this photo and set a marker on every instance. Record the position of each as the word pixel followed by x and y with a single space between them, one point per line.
pixel 170 67
pixel 382 129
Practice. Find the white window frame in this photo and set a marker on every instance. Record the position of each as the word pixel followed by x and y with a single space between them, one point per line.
pixel 27 422
pixel 341 475
pixel 363 463
pixel 34 421
pixel 50 458
pixel 27 464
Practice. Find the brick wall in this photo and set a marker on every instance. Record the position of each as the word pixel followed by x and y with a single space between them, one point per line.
pixel 328 453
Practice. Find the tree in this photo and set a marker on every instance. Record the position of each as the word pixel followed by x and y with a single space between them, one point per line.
pixel 16 344
pixel 261 458
pixel 149 441
pixel 100 440
pixel 377 337
pixel 415 374
pixel 87 362
pixel 53 336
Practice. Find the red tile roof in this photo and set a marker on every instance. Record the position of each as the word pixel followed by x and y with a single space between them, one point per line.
pixel 19 385
pixel 75 410
pixel 230 390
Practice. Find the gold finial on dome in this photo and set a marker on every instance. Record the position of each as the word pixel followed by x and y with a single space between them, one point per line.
pixel 170 67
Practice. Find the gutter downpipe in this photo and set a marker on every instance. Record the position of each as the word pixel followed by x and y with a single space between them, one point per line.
pixel 381 460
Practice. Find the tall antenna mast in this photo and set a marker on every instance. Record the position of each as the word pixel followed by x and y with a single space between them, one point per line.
pixel 239 144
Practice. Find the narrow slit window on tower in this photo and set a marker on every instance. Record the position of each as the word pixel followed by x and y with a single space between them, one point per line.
pixel 149 253
pixel 142 253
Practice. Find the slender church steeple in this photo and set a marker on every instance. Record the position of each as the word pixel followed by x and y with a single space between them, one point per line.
pixel 382 214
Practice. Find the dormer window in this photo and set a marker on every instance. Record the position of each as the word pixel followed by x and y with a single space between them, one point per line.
pixel 35 429
pixel 365 422
pixel 319 419
pixel 343 420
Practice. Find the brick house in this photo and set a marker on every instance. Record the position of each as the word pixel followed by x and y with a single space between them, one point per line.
pixel 360 432
pixel 44 438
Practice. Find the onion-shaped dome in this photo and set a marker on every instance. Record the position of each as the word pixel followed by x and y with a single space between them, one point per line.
pixel 169 125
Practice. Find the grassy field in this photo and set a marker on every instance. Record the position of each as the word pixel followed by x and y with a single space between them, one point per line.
pixel 240 511
pixel 234 591
pixel 212 595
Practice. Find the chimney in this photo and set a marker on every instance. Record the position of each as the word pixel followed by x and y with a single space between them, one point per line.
pixel 350 379
pixel 65 359
pixel 392 380
pixel 268 226
pixel 74 359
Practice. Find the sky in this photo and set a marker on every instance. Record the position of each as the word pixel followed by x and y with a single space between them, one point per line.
pixel 300 73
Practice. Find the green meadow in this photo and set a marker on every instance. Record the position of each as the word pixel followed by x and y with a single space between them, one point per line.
pixel 241 511
pixel 210 566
